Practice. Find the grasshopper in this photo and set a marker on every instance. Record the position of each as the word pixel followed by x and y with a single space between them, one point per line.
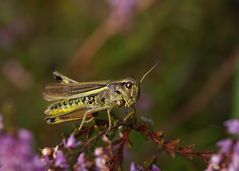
pixel 73 100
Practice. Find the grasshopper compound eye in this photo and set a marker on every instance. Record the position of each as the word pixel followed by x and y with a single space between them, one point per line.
pixel 128 85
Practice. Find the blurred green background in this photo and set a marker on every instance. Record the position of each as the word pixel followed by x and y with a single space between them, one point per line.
pixel 191 93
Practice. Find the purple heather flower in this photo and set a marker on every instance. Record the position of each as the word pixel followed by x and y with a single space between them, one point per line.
pixel 215 161
pixel 39 163
pixel 102 156
pixel 232 126
pixel 227 159
pixel 133 167
pixel 236 148
pixel 225 145
pixel 60 160
pixel 155 168
pixel 235 157
pixel 25 135
pixel 16 152
pixel 82 163
pixel 54 158
pixel 71 142
pixel 25 141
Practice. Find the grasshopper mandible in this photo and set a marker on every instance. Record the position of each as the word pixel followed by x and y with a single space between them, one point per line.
pixel 74 100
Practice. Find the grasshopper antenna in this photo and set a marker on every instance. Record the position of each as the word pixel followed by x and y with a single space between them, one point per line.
pixel 151 69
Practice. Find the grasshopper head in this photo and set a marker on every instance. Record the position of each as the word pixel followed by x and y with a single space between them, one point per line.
pixel 130 90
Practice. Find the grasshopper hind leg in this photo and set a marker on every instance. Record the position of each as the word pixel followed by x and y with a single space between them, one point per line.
pixel 73 116
pixel 50 120
pixel 62 78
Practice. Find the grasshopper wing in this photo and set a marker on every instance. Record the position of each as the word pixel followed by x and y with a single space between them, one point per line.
pixel 58 91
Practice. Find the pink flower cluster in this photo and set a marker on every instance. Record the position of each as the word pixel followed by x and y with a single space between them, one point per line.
pixel 227 159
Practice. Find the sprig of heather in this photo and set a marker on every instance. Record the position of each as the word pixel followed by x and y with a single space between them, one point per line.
pixel 59 158
pixel 97 148
pixel 227 158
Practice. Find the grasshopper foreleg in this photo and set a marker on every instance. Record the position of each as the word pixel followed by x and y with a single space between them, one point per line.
pixel 109 118
pixel 130 113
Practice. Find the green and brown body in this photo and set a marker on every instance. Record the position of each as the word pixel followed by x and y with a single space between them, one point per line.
pixel 74 100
